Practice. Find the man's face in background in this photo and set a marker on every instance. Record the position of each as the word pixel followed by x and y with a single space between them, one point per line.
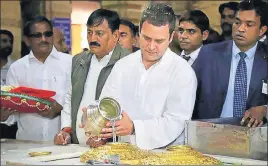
pixel 227 20
pixel 6 46
pixel 127 39
pixel 59 41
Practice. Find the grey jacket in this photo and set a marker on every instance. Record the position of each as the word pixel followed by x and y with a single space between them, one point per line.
pixel 80 68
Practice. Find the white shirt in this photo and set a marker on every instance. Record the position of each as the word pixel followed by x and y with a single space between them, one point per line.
pixel 263 38
pixel 158 100
pixel 88 97
pixel 193 55
pixel 54 75
pixel 5 69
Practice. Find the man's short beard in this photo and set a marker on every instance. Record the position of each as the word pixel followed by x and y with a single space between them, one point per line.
pixel 5 52
pixel 224 31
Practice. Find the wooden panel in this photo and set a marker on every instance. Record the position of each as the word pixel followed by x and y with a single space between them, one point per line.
pixel 76 38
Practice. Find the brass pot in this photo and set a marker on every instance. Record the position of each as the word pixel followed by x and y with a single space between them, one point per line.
pixel 98 114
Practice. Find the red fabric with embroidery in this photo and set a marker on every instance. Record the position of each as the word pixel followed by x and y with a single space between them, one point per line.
pixel 15 103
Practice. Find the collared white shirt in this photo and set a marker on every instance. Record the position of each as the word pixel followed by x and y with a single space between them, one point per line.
pixel 193 55
pixel 5 69
pixel 227 110
pixel 88 97
pixel 263 38
pixel 158 100
pixel 54 75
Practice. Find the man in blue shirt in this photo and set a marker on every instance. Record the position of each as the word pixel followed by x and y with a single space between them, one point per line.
pixel 232 75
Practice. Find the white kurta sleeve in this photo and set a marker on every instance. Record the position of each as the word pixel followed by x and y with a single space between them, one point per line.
pixel 161 131
pixel 12 79
pixel 66 119
pixel 12 119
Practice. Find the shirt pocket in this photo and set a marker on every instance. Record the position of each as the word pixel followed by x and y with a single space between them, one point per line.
pixel 59 85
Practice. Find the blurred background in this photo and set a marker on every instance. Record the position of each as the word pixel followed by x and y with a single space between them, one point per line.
pixel 71 16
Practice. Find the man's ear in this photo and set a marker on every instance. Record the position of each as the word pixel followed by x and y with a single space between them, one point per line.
pixel 26 40
pixel 263 29
pixel 116 35
pixel 171 37
pixel 205 35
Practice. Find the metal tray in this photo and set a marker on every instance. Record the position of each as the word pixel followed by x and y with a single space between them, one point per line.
pixel 225 136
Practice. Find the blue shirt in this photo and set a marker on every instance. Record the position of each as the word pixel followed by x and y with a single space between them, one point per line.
pixel 227 110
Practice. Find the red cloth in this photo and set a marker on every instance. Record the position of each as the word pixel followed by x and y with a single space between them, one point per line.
pixel 27 105
pixel 43 94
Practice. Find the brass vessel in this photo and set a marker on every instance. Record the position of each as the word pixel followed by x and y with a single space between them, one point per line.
pixel 98 114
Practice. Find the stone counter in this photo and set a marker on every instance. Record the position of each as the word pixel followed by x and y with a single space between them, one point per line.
pixel 17 152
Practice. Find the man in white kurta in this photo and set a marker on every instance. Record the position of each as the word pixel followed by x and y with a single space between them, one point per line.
pixel 53 75
pixel 43 68
pixel 157 100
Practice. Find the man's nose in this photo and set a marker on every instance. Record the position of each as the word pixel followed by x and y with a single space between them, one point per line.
pixel 183 35
pixel 241 28
pixel 152 45
pixel 43 38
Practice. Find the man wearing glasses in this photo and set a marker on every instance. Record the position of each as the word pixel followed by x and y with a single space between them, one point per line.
pixel 43 68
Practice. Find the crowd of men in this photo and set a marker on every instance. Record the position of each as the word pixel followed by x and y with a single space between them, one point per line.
pixel 172 69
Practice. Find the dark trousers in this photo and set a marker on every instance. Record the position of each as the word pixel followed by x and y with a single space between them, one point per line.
pixel 8 131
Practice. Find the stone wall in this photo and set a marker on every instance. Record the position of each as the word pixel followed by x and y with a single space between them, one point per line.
pixel 60 9
pixel 133 9
pixel 11 20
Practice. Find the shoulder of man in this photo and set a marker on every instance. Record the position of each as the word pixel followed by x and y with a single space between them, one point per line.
pixel 214 49
pixel 19 62
pixel 121 51
pixel 81 57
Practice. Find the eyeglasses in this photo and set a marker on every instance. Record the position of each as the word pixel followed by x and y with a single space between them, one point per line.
pixel 39 35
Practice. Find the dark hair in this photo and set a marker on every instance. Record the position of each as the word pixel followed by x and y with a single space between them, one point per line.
pixel 178 16
pixel 259 6
pixel 137 30
pixel 24 49
pixel 159 14
pixel 231 5
pixel 8 33
pixel 198 18
pixel 34 20
pixel 213 37
pixel 130 25
pixel 98 16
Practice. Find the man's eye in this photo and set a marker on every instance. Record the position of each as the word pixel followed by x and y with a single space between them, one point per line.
pixel 192 31
pixel 89 32
pixel 146 38
pixel 100 33
pixel 236 22
pixel 180 30
pixel 249 25
pixel 159 41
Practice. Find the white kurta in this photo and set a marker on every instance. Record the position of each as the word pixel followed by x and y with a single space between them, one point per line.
pixel 158 100
pixel 54 75
pixel 88 97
